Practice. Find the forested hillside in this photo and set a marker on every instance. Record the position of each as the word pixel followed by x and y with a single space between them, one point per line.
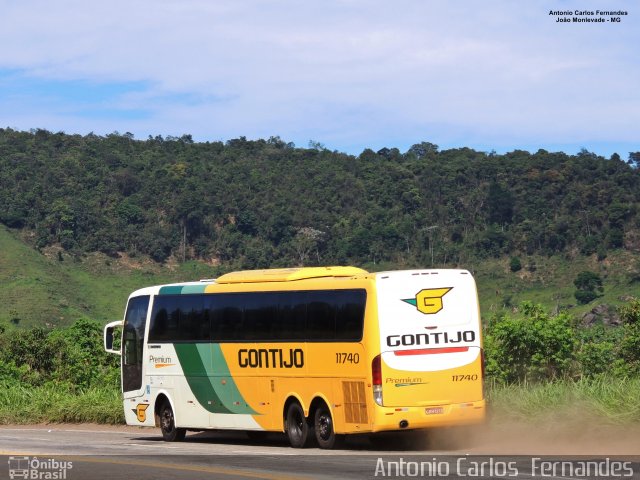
pixel 251 204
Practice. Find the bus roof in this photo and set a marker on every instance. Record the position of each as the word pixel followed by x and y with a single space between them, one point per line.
pixel 252 276
pixel 284 275
pixel 288 274
pixel 416 272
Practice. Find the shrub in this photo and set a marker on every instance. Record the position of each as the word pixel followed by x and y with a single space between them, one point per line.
pixel 515 264
pixel 534 347
pixel 585 296
pixel 588 285
pixel 597 350
pixel 630 344
pixel 73 356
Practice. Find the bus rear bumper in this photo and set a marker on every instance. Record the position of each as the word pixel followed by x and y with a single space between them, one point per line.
pixel 411 418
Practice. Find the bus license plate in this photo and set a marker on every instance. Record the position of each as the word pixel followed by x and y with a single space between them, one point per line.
pixel 434 410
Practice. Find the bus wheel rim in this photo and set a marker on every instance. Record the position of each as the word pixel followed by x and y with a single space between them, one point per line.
pixel 167 420
pixel 325 426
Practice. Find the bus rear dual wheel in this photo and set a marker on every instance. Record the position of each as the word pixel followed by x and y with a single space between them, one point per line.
pixel 298 428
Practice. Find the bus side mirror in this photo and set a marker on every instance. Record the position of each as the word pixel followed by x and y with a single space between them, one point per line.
pixel 108 337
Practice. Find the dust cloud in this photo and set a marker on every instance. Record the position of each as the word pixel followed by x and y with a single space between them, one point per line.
pixel 549 437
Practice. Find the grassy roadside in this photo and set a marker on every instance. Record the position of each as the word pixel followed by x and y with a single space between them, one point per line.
pixel 52 403
pixel 44 289
pixel 612 401
pixel 609 401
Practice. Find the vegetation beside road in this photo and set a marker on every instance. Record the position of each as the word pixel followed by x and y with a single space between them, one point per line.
pixel 609 400
pixel 53 403
pixel 58 375
pixel 536 346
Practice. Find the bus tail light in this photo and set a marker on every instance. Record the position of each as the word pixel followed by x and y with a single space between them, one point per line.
pixel 376 377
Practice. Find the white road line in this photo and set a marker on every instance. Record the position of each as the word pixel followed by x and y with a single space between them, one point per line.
pixel 145 445
pixel 53 430
pixel 107 431
pixel 253 452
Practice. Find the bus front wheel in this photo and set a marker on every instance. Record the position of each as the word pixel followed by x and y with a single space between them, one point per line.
pixel 297 426
pixel 323 426
pixel 170 433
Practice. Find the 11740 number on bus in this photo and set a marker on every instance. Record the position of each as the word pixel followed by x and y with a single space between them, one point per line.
pixel 343 357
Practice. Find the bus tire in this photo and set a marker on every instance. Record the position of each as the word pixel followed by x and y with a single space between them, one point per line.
pixel 297 426
pixel 170 433
pixel 323 427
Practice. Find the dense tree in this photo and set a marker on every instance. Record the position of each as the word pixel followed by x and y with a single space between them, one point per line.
pixel 421 150
pixel 254 203
pixel 499 204
pixel 588 285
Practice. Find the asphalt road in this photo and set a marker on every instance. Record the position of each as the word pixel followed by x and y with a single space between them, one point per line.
pixel 65 452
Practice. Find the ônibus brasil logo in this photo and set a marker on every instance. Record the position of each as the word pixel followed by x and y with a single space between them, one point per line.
pixel 428 300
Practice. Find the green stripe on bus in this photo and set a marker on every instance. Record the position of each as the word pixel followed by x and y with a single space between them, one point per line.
pixel 181 289
pixel 173 290
pixel 209 378
pixel 229 392
pixel 193 289
pixel 198 379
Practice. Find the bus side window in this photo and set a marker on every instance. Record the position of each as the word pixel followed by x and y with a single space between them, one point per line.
pixel 163 320
pixel 226 317
pixel 349 306
pixel 159 323
pixel 260 316
pixel 291 322
pixel 193 323
pixel 321 316
pixel 179 318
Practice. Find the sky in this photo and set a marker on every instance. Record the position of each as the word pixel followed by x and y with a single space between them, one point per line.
pixel 350 74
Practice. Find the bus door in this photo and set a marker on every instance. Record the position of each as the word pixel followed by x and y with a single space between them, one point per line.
pixel 132 346
pixel 430 338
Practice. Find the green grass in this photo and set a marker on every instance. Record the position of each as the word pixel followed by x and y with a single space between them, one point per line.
pixel 612 401
pixel 551 283
pixel 54 404
pixel 44 290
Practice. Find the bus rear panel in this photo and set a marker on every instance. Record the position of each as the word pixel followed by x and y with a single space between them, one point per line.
pixel 430 368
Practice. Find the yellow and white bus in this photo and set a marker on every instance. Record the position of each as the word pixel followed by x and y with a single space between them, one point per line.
pixel 321 351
